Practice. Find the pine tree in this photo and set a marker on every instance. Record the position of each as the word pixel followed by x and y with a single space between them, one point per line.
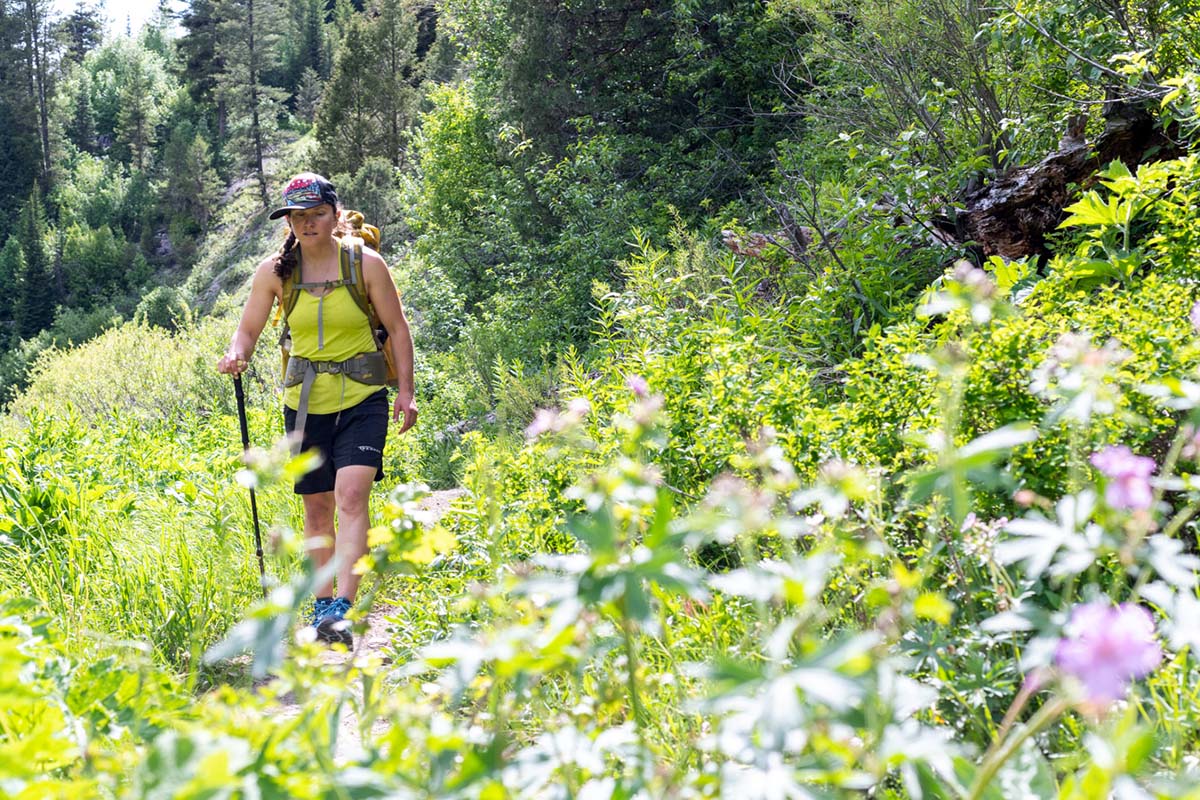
pixel 348 124
pixel 80 32
pixel 36 298
pixel 304 48
pixel 248 38
pixel 202 60
pixel 80 129
pixel 370 99
pixel 12 266
pixel 396 32
pixel 20 144
pixel 313 42
pixel 156 35
pixel 192 188
pixel 38 54
pixel 308 97
pixel 138 114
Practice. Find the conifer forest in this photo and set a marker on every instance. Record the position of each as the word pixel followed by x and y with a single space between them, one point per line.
pixel 809 399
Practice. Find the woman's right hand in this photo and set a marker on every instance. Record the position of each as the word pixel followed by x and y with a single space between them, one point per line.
pixel 232 363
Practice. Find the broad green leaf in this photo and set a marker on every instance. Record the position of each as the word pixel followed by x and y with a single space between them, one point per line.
pixel 999 441
pixel 1091 210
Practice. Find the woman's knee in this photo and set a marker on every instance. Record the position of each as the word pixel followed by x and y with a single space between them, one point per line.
pixel 353 492
pixel 318 509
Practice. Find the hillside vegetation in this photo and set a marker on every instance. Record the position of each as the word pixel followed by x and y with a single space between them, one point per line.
pixel 823 380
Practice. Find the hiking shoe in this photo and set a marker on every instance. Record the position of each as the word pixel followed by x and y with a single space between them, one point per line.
pixel 319 607
pixel 332 626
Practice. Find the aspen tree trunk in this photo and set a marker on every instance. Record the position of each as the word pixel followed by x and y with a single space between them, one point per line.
pixel 34 48
pixel 255 127
pixel 60 282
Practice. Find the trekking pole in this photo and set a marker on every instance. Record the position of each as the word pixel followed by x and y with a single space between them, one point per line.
pixel 258 551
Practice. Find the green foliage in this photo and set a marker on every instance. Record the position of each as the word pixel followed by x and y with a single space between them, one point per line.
pixel 192 188
pixel 369 101
pixel 21 145
pixel 73 327
pixel 82 31
pixel 1108 250
pixel 134 372
pixel 99 267
pixel 695 325
pixel 308 95
pixel 36 293
pixel 197 49
pixel 92 192
pixel 306 50
pixel 433 304
pixel 12 266
pixel 164 308
pixel 128 89
pixel 247 37
pixel 372 190
pixel 749 537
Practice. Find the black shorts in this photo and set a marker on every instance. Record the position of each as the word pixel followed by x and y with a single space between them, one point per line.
pixel 353 436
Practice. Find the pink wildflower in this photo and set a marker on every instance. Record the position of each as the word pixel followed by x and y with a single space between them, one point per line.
pixel 579 407
pixel 544 420
pixel 1194 316
pixel 637 384
pixel 1128 485
pixel 1106 647
pixel 1191 445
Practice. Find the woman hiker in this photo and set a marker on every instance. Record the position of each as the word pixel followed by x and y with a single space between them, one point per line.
pixel 343 417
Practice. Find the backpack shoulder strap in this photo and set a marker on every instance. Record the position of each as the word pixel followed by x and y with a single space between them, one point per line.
pixel 351 258
pixel 291 294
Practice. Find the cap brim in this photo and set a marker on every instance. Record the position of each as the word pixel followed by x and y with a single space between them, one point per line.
pixel 280 212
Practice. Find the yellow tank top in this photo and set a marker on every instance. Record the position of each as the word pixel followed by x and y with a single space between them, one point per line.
pixel 346 334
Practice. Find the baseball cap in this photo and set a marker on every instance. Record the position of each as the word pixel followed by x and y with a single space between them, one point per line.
pixel 306 190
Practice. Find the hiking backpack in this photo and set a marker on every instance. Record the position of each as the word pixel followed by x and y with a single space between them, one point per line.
pixel 350 260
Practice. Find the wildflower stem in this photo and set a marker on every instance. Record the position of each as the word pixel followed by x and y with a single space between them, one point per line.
pixel 1178 521
pixel 1074 457
pixel 1168 467
pixel 1003 749
pixel 635 696
pixel 1018 704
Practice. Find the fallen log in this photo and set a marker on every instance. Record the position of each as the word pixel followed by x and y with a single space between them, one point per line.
pixel 1012 215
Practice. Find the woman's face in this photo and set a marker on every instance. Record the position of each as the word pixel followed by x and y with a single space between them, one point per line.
pixel 313 224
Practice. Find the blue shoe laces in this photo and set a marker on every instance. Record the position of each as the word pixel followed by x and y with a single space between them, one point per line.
pixel 320 609
pixel 335 609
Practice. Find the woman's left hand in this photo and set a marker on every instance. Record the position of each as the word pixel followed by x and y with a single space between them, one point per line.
pixel 405 405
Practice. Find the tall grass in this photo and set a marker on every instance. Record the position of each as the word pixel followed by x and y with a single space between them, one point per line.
pixel 127 536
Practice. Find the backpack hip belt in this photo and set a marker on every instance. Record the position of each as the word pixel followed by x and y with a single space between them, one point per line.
pixel 368 368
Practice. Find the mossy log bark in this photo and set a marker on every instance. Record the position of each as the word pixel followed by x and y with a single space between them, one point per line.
pixel 1011 216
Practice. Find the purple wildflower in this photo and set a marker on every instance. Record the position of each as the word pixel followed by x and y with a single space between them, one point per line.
pixel 1191 444
pixel 1106 647
pixel 579 407
pixel 637 384
pixel 1194 316
pixel 1128 484
pixel 544 420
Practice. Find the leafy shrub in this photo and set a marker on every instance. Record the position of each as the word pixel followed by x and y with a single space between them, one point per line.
pixel 434 306
pixel 373 190
pixel 137 372
pixel 163 308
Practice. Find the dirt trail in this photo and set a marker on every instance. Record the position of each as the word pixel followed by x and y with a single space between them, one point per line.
pixel 372 642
